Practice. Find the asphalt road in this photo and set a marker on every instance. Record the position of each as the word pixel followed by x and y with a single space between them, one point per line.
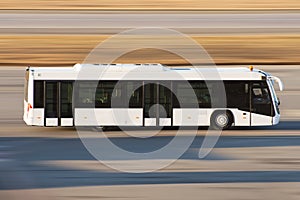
pixel 39 162
pixel 112 23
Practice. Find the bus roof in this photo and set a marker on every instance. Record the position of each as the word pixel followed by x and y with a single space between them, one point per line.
pixel 143 72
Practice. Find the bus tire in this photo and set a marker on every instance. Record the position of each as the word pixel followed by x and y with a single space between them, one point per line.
pixel 221 120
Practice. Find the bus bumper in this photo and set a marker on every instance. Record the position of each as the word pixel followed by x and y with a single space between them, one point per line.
pixel 276 119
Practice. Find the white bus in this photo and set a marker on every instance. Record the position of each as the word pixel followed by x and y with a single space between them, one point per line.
pixel 55 96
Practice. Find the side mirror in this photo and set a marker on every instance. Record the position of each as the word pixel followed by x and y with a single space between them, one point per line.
pixel 280 83
pixel 278 101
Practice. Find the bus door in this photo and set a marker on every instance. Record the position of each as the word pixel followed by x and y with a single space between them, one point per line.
pixel 65 103
pixel 58 103
pixel 157 104
pixel 261 105
pixel 51 103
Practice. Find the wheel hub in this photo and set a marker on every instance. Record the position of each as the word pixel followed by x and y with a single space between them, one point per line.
pixel 222 120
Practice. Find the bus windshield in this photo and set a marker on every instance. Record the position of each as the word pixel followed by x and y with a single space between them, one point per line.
pixel 276 100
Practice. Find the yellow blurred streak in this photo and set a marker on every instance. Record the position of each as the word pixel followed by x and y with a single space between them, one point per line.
pixel 69 49
pixel 150 4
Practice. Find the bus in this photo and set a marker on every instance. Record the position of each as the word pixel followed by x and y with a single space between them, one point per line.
pixel 59 96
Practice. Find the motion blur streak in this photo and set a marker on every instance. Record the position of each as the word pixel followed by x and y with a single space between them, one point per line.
pixel 65 39
pixel 66 50
pixel 151 5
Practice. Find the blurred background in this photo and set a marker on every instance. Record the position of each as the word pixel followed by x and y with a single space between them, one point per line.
pixel 42 33
pixel 52 163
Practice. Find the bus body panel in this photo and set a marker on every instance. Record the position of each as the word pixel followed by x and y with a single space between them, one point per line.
pixel 150 122
pixel 142 72
pixel 51 121
pixel 165 121
pixel 201 117
pixel 108 117
pixel 28 101
pixel 241 118
pixel 261 120
pixel 38 116
pixel 66 122
pixel 28 113
pixel 191 117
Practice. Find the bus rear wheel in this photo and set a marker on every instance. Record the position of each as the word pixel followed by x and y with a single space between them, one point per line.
pixel 221 120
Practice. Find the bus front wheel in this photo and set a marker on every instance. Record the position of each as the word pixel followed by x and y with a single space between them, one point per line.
pixel 221 120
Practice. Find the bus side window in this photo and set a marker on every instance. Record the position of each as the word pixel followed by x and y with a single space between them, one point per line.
pixel 185 93
pixel 85 94
pixel 116 96
pixel 38 101
pixel 237 95
pixel 134 92
pixel 104 94
pixel 203 95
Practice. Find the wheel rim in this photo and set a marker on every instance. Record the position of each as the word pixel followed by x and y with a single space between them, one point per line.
pixel 222 120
